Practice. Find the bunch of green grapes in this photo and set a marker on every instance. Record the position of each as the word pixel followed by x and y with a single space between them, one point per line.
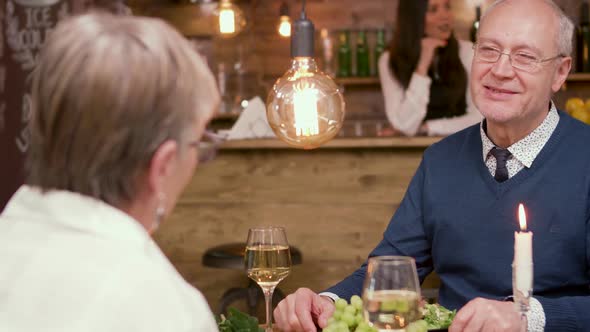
pixel 348 317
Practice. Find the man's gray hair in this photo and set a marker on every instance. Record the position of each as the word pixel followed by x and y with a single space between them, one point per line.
pixel 566 26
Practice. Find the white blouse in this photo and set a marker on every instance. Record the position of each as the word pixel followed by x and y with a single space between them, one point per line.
pixel 407 109
pixel 71 263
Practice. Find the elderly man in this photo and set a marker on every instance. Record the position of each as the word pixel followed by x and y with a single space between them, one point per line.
pixel 120 105
pixel 458 215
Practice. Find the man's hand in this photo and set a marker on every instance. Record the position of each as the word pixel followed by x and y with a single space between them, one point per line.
pixel 301 310
pixel 488 315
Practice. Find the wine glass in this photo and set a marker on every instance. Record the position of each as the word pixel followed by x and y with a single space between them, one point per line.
pixel 268 261
pixel 391 293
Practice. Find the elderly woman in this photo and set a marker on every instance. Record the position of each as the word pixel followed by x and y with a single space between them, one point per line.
pixel 119 107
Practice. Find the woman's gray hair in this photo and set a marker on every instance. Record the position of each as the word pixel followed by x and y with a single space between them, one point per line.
pixel 107 92
pixel 565 34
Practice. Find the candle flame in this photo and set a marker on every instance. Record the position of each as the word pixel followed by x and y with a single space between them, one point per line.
pixel 522 217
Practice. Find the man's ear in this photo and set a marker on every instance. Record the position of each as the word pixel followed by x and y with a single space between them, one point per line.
pixel 561 75
pixel 162 166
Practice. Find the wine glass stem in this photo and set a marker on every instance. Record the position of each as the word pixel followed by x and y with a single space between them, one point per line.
pixel 268 301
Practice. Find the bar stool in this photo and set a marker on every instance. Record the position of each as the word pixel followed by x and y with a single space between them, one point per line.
pixel 231 256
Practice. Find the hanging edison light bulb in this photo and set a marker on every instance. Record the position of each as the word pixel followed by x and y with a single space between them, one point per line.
pixel 229 19
pixel 284 27
pixel 305 108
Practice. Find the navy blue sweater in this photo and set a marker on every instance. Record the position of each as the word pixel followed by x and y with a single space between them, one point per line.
pixel 456 219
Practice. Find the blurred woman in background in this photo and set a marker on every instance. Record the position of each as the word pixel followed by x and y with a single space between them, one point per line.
pixel 424 73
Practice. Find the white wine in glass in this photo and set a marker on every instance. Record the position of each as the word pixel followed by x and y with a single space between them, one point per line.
pixel 391 293
pixel 268 261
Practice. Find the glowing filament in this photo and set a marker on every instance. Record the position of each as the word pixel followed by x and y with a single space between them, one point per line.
pixel 227 21
pixel 305 105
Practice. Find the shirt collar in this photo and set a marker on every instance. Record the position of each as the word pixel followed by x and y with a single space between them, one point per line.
pixel 76 212
pixel 528 148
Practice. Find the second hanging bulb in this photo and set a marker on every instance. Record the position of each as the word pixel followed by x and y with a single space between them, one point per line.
pixel 229 19
pixel 284 27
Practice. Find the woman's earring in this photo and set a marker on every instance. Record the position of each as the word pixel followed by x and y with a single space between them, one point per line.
pixel 160 211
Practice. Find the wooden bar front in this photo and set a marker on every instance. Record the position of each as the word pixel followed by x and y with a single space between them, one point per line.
pixel 334 202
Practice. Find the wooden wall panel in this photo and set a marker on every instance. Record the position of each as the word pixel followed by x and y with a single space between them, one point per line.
pixel 252 177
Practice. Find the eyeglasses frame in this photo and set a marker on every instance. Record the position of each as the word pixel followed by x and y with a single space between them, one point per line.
pixel 207 145
pixel 536 62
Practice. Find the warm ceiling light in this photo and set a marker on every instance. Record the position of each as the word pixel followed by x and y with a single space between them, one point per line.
pixel 229 19
pixel 284 27
pixel 305 108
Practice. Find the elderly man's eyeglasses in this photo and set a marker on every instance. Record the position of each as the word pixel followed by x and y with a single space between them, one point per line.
pixel 207 146
pixel 520 60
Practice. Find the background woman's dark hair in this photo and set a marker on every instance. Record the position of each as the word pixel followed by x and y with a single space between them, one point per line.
pixel 405 48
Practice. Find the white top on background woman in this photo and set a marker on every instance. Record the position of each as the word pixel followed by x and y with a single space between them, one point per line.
pixel 424 74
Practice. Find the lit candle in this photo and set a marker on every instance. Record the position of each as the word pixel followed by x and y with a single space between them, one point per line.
pixel 523 255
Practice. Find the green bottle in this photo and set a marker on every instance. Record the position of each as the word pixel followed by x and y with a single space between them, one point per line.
pixel 362 55
pixel 583 40
pixel 344 55
pixel 379 49
pixel 475 25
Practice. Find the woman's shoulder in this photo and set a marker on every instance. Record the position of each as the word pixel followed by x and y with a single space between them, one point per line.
pixel 383 61
pixel 465 52
pixel 465 44
pixel 384 57
pixel 465 47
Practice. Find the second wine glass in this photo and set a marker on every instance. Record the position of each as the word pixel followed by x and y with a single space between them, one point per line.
pixel 391 293
pixel 268 261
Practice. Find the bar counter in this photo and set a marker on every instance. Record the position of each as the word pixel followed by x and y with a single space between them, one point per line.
pixel 334 201
pixel 355 142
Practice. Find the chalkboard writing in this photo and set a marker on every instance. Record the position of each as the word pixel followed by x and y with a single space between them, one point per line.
pixel 38 18
pixel 24 137
pixel 25 40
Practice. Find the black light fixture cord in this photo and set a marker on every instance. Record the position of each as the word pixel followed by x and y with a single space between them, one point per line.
pixel 284 9
pixel 303 16
pixel 302 38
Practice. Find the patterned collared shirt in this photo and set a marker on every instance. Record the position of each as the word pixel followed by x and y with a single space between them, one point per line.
pixel 524 153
